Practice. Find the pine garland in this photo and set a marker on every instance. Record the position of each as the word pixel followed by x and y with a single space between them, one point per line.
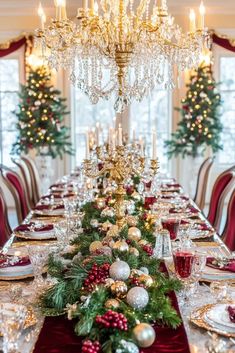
pixel 69 293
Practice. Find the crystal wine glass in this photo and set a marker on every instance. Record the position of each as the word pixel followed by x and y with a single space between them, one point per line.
pixel 38 257
pixel 172 225
pixel 12 319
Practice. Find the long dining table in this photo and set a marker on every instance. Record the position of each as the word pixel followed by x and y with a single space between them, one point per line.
pixel 55 335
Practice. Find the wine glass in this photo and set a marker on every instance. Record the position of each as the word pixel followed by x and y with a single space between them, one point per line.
pixel 38 256
pixel 183 261
pixel 199 265
pixel 172 225
pixel 61 233
pixel 12 319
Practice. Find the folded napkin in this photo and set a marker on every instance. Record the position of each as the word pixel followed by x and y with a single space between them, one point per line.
pixel 173 185
pixel 59 185
pixel 228 265
pixel 231 312
pixel 55 196
pixel 193 209
pixel 185 198
pixel 203 227
pixel 48 207
pixel 37 228
pixel 69 194
pixel 183 221
pixel 10 261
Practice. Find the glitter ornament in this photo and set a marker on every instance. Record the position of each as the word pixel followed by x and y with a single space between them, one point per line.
pixel 146 280
pixel 134 233
pixel 108 282
pixel 95 245
pixel 108 212
pixel 144 335
pixel 112 303
pixel 127 347
pixel 119 270
pixel 121 245
pixel 113 231
pixel 144 270
pixel 94 223
pixel 119 288
pixel 131 221
pixel 137 298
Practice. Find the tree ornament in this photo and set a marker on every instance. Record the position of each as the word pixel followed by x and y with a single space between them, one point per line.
pixel 108 241
pixel 132 221
pixel 94 223
pixel 134 251
pixel 136 196
pixel 119 289
pixel 108 212
pixel 95 245
pixel 127 347
pixel 144 270
pixel 119 270
pixel 121 245
pixel 108 282
pixel 113 231
pixel 106 226
pixel 96 275
pixel 143 242
pixel 144 335
pixel 146 280
pixel 134 233
pixel 137 298
pixel 100 202
pixel 105 250
pixel 112 304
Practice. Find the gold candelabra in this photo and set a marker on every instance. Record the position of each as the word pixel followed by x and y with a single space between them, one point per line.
pixel 120 164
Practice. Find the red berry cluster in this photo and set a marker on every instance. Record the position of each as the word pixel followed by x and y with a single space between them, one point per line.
pixel 91 347
pixel 96 275
pixel 148 250
pixel 112 319
pixel 135 281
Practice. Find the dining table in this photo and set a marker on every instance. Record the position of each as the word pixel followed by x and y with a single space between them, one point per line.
pixel 55 334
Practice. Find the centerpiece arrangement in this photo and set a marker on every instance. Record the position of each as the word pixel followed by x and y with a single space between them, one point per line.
pixel 109 282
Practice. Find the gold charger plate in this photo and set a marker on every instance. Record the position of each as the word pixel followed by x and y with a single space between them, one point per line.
pixel 30 319
pixel 22 236
pixel 197 318
pixel 44 242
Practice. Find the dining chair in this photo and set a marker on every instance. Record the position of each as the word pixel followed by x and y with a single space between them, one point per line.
pixel 26 179
pixel 5 228
pixel 228 235
pixel 221 189
pixel 16 187
pixel 35 178
pixel 202 182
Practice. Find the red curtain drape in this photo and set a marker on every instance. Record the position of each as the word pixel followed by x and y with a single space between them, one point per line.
pixel 224 42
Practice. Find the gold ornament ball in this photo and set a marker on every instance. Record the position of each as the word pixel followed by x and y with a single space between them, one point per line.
pixel 95 245
pixel 106 226
pixel 146 280
pixel 134 233
pixel 100 202
pixel 143 242
pixel 134 251
pixel 144 335
pixel 119 289
pixel 112 303
pixel 121 245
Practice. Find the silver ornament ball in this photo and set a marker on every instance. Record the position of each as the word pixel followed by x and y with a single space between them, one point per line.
pixel 144 270
pixel 144 335
pixel 137 298
pixel 119 270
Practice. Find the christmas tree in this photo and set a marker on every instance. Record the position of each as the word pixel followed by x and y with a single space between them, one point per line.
pixel 200 125
pixel 40 115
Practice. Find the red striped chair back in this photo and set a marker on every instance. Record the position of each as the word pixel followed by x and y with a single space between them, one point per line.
pixel 5 229
pixel 228 235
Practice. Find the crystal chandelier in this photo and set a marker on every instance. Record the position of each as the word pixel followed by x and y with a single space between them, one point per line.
pixel 121 48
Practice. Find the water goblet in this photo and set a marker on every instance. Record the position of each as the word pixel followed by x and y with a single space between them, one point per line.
pixel 61 234
pixel 12 319
pixel 199 265
pixel 38 256
pixel 172 225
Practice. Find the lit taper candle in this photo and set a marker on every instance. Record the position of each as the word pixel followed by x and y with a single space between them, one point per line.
pixel 87 145
pixel 192 21
pixel 202 12
pixel 154 154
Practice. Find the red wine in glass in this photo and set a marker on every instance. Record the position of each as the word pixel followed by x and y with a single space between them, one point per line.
pixel 172 225
pixel 149 201
pixel 183 261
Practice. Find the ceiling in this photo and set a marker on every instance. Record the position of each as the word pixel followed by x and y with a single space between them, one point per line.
pixel 29 7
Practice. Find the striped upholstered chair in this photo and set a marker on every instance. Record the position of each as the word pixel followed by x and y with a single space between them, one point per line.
pixel 228 235
pixel 5 229
pixel 35 178
pixel 202 182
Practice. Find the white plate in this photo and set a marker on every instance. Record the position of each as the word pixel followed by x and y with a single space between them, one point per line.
pixel 218 315
pixel 16 272
pixel 213 274
pixel 49 213
pixel 37 235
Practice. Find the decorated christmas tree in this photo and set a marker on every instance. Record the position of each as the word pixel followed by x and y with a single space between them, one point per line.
pixel 200 125
pixel 40 115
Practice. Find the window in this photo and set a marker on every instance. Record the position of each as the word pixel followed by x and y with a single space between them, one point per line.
pixel 9 87
pixel 86 115
pixel 227 88
pixel 154 112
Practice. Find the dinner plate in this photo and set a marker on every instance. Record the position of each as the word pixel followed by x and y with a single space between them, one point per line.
pixel 37 235
pixel 16 272
pixel 218 315
pixel 213 274
pixel 49 213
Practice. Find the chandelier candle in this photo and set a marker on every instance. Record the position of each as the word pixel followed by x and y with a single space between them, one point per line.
pixel 202 12
pixel 154 145
pixel 87 146
pixel 192 21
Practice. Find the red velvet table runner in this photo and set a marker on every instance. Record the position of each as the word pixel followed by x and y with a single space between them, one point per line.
pixel 57 336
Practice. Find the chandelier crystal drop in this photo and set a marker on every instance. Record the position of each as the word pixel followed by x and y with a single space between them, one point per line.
pixel 121 48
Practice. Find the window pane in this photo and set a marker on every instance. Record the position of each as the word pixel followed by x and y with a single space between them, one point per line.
pixel 153 113
pixel 9 75
pixel 86 115
pixel 227 88
pixel 9 86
